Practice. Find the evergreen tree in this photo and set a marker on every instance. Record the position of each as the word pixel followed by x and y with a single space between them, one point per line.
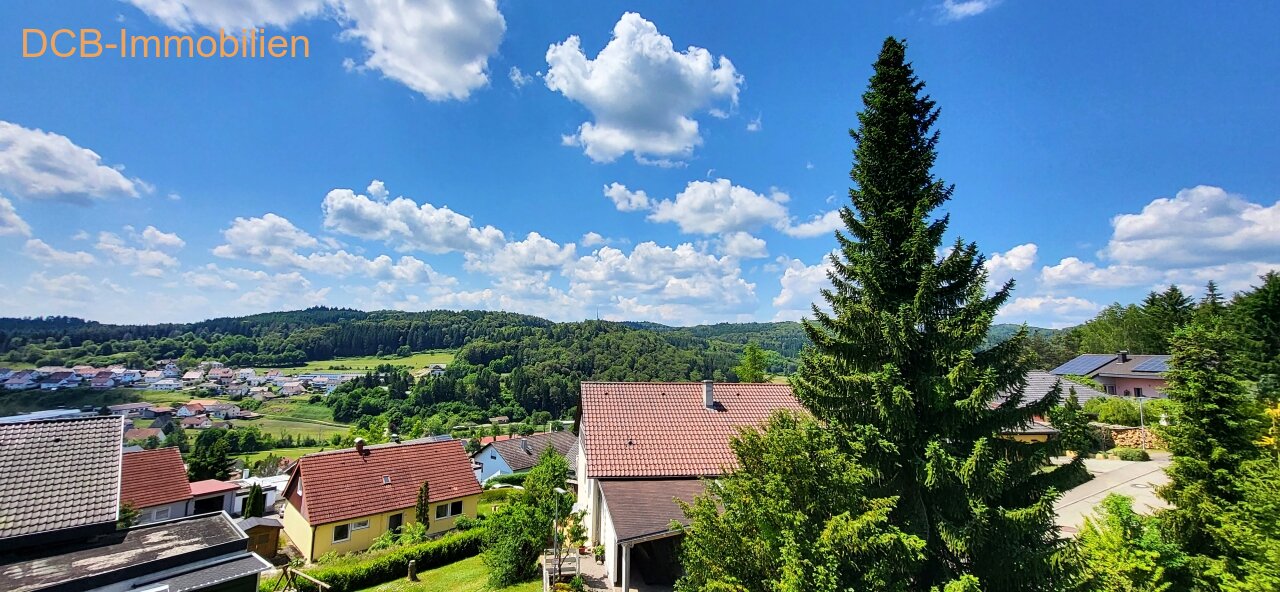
pixel 1216 433
pixel 422 507
pixel 894 367
pixel 1166 312
pixel 751 367
pixel 1211 304
pixel 209 461
pixel 1256 318
pixel 1072 424
pixel 255 503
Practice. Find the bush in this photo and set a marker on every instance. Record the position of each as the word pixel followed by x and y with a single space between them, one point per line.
pixel 512 479
pixel 357 572
pixel 495 496
pixel 1132 454
pixel 1113 410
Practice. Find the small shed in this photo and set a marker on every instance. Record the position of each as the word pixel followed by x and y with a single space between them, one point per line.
pixel 264 535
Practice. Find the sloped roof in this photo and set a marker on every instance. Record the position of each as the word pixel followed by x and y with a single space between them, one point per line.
pixel 643 507
pixel 154 478
pixel 212 486
pixel 143 433
pixel 59 474
pixel 1138 366
pixel 344 484
pixel 519 458
pixel 662 429
pixel 1039 384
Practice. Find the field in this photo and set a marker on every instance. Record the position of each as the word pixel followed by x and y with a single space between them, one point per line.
pixel 299 408
pixel 12 403
pixel 468 575
pixel 277 427
pixel 290 453
pixel 365 363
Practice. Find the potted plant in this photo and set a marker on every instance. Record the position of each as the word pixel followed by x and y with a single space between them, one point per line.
pixel 577 532
pixel 599 553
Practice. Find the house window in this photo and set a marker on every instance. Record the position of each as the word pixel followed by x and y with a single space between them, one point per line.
pixel 341 532
pixel 162 514
pixel 447 510
pixel 360 525
pixel 1137 391
pixel 1111 389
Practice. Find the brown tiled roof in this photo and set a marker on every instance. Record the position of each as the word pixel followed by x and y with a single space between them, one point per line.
pixel 655 429
pixel 519 459
pixel 59 474
pixel 154 478
pixel 344 484
pixel 143 433
pixel 646 507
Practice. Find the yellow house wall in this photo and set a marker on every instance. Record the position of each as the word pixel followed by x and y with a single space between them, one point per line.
pixel 1031 437
pixel 361 539
pixel 297 529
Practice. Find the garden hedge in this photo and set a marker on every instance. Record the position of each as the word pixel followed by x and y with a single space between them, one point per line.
pixel 347 576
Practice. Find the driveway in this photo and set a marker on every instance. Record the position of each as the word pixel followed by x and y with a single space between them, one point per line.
pixel 1137 480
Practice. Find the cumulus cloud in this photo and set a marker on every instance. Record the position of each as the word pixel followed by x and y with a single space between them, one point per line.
pixel 11 224
pixel 271 239
pixel 641 92
pixel 742 245
pixel 405 224
pixel 518 79
pixel 1003 266
pixel 801 288
pixel 1198 226
pixel 143 261
pixel 713 207
pixel 1073 271
pixel 439 48
pixel 626 200
pixel 155 238
pixel 41 252
pixel 820 225
pixel 679 282
pixel 1051 311
pixel 755 125
pixel 535 254
pixel 40 165
pixel 954 10
pixel 59 290
pixel 284 291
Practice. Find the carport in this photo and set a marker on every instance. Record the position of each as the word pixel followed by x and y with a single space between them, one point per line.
pixel 642 511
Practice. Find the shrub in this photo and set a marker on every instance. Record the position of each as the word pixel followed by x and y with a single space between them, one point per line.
pixel 1132 454
pixel 493 496
pixel 1113 410
pixel 512 479
pixel 358 572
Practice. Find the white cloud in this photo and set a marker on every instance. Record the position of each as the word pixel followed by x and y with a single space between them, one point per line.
pixel 43 253
pixel 209 277
pixel 283 291
pixel 518 78
pixel 405 224
pixel 1202 225
pixel 1003 266
pixel 439 48
pixel 11 224
pixel 143 261
pixel 755 125
pixel 1073 271
pixel 820 225
pixel 714 207
pixel 535 254
pixel 272 240
pixel 592 239
pixel 954 10
pixel 1051 311
pixel 679 282
pixel 742 245
pixel 59 290
pixel 641 92
pixel 155 238
pixel 801 288
pixel 35 164
pixel 626 200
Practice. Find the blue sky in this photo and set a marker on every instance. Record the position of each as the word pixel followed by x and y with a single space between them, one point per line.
pixel 672 162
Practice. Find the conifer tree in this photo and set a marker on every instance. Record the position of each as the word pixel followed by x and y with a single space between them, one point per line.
pixel 255 504
pixel 422 507
pixel 1211 304
pixel 894 367
pixel 1215 435
pixel 1256 318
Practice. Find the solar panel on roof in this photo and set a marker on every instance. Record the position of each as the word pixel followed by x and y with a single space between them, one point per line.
pixel 1084 364
pixel 1160 364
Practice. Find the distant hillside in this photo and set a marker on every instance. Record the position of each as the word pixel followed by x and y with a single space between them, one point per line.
pixel 1002 332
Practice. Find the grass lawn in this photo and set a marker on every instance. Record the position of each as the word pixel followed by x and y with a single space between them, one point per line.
pixel 278 427
pixel 296 408
pixel 364 363
pixel 290 453
pixel 468 575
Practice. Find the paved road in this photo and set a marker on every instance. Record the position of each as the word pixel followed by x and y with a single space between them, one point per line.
pixel 1134 479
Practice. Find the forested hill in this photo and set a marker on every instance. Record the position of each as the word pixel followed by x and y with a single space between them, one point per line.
pixel 321 333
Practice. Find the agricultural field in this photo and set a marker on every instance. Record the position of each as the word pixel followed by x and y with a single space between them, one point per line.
pixel 299 408
pixel 278 427
pixel 290 453
pixel 468 575
pixel 365 363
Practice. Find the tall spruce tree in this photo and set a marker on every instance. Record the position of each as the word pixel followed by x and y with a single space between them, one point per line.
pixel 894 368
pixel 1255 317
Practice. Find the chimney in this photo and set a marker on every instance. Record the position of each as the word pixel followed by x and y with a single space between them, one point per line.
pixel 395 438
pixel 708 399
pixel 360 446
pixel 524 445
pixel 1124 356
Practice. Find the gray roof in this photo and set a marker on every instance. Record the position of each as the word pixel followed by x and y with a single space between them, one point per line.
pixel 643 508
pixel 1135 367
pixel 246 523
pixel 1040 383
pixel 522 458
pixel 59 474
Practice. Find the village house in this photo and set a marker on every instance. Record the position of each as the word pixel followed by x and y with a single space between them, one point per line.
pixel 236 390
pixel 157 411
pixel 69 540
pixel 84 372
pixel 644 445
pixel 512 455
pixel 191 409
pixel 171 370
pixel 192 377
pixel 60 380
pixel 128 409
pixel 125 375
pixel 197 422
pixel 222 375
pixel 141 434
pixel 167 384
pixel 21 381
pixel 155 483
pixel 223 410
pixel 320 516
pixel 1121 373
pixel 292 388
pixel 103 380
pixel 152 376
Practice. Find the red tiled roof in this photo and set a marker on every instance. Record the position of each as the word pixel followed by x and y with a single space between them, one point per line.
pixel 210 486
pixel 655 429
pixel 343 484
pixel 153 478
pixel 143 433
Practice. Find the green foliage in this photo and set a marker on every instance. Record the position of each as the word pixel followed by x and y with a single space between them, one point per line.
pixel 127 517
pixel 361 571
pixel 1113 410
pixel 255 503
pixel 422 507
pixel 211 458
pixel 520 531
pixel 1250 531
pixel 1129 454
pixel 797 515
pixel 1255 319
pixel 1215 434
pixel 1119 550
pixel 752 365
pixel 897 367
pixel 1072 425
pixel 1165 313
